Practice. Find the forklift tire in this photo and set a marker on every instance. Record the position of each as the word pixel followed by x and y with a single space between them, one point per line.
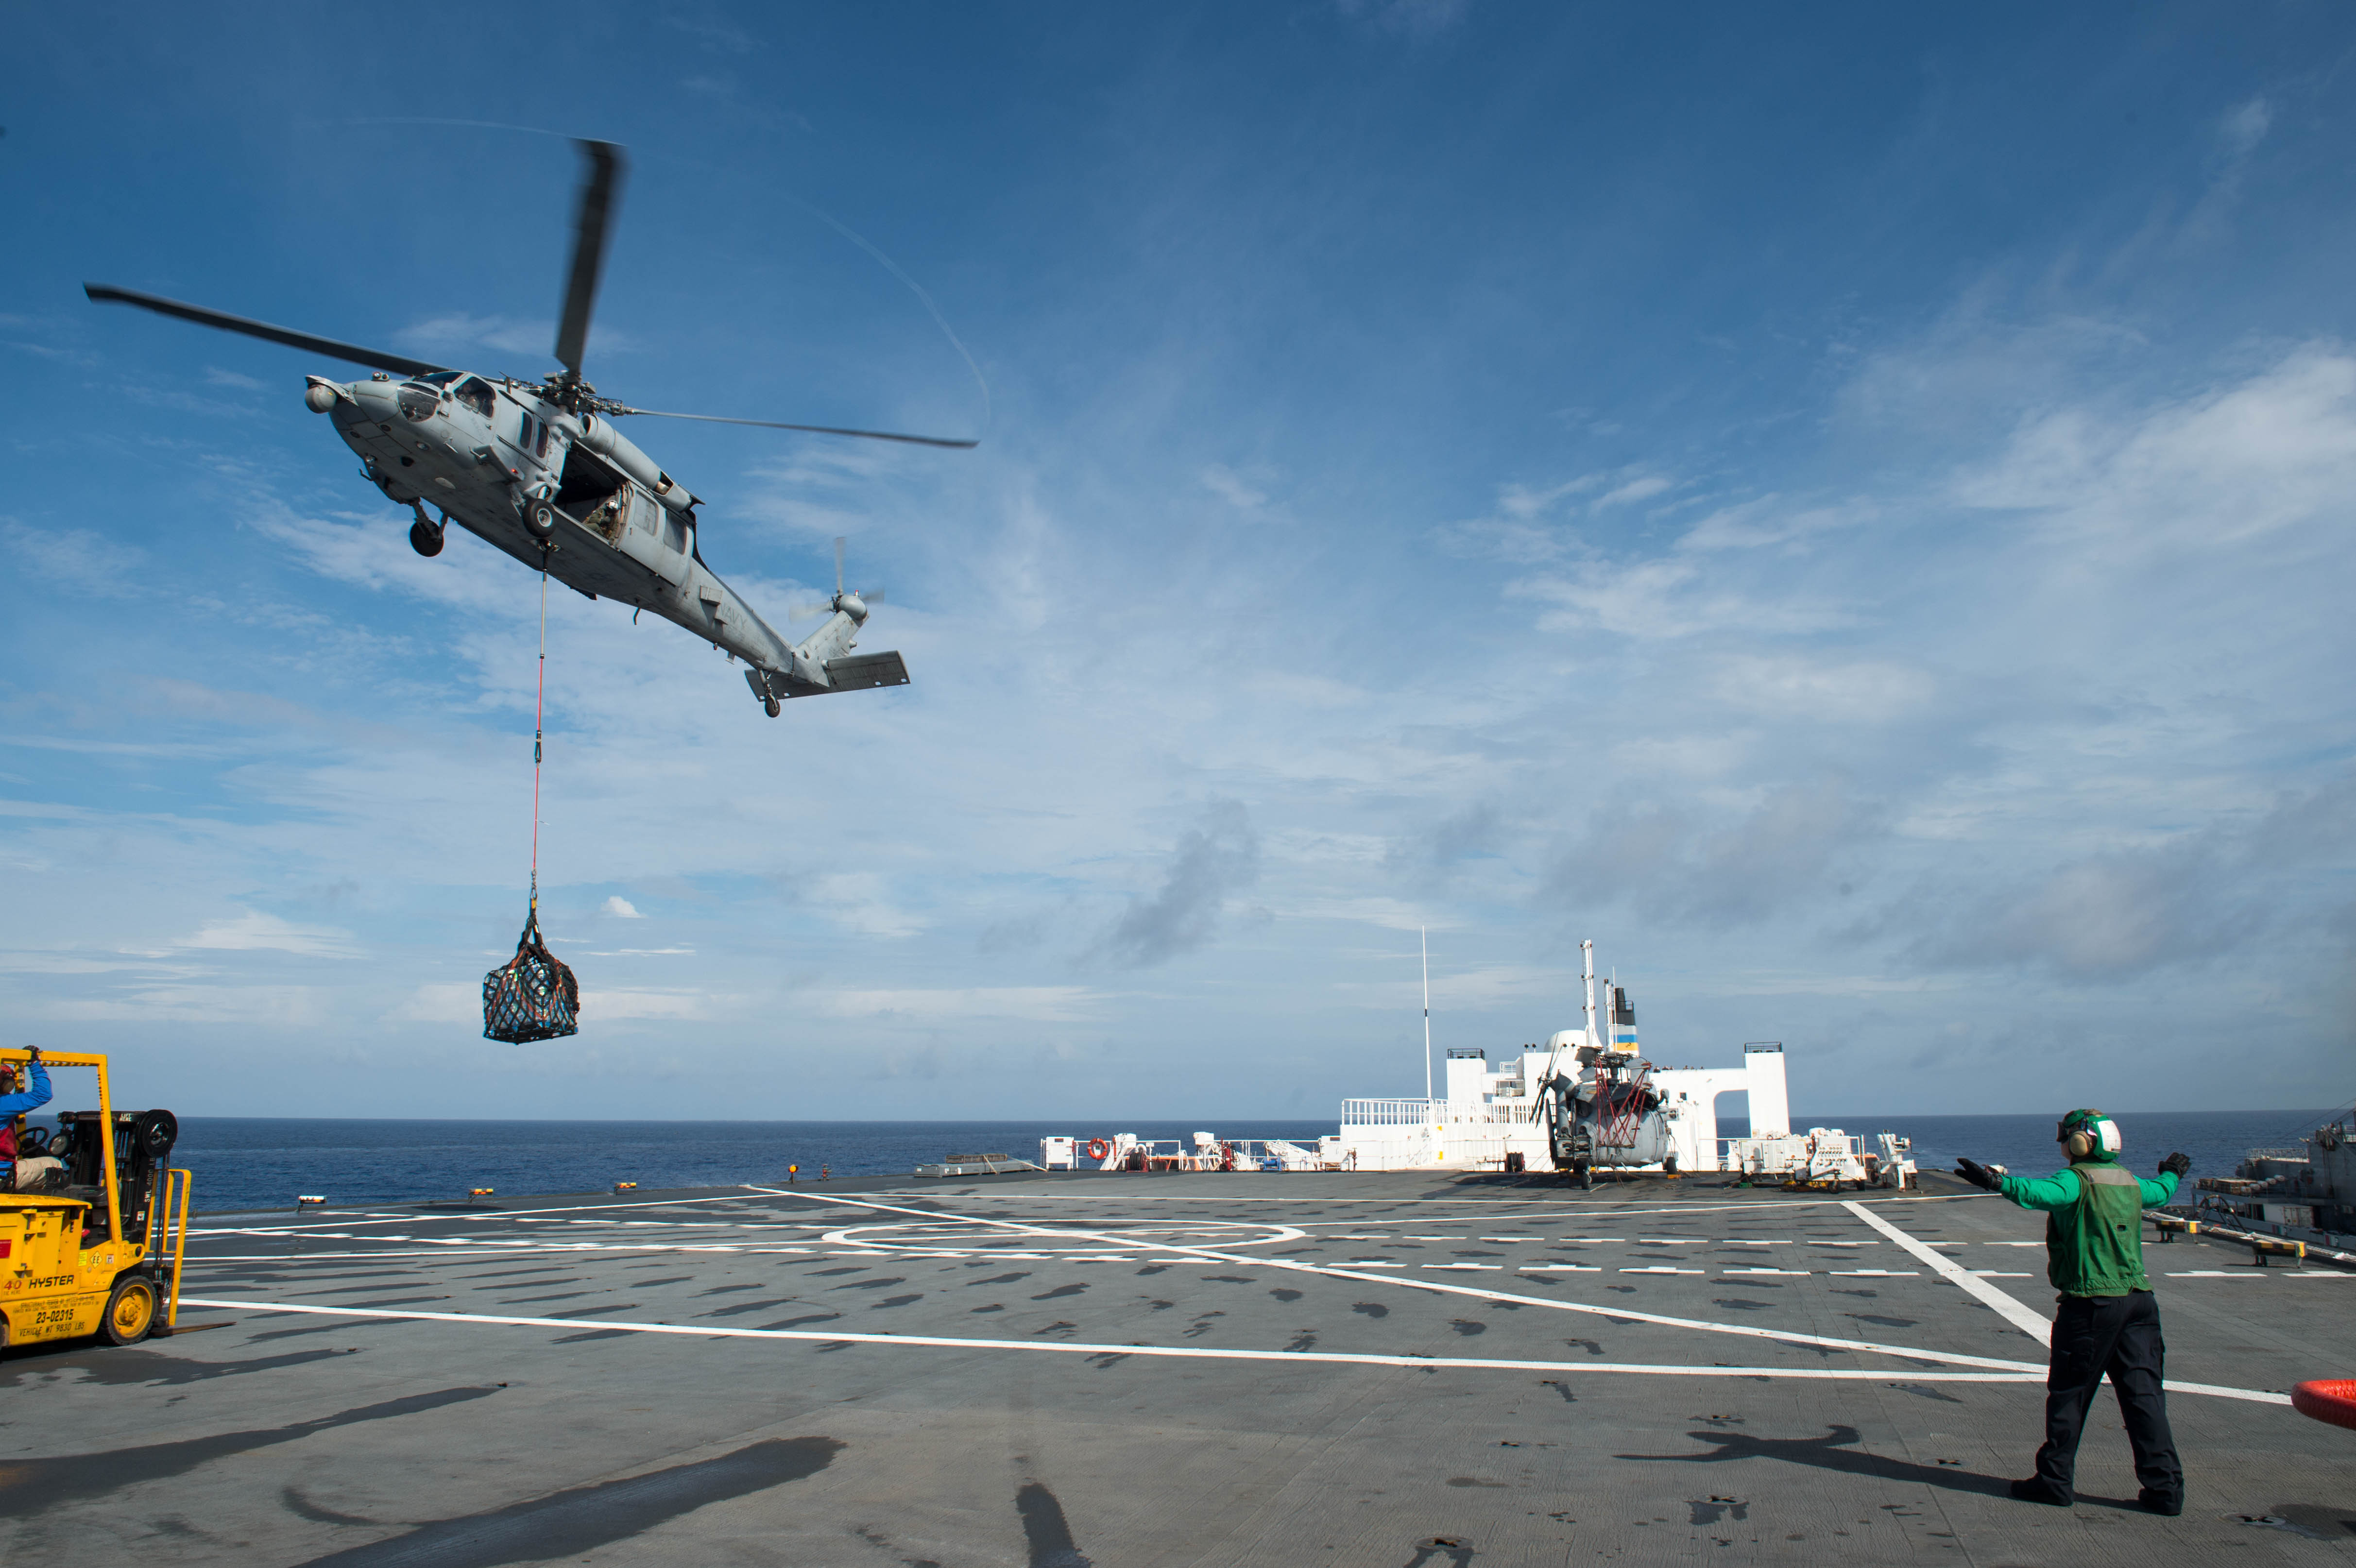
pixel 130 1311
pixel 153 1133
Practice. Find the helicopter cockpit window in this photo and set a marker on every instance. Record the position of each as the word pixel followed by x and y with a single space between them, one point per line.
pixel 443 377
pixel 474 395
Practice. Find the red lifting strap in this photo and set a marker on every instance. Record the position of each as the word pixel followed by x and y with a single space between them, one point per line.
pixel 532 996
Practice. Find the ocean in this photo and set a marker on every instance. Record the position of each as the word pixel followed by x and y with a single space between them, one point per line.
pixel 247 1163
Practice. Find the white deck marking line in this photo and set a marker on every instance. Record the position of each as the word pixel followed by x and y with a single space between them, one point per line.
pixel 736 1196
pixel 1781 1206
pixel 1623 1314
pixel 1069 1348
pixel 490 1252
pixel 2026 1318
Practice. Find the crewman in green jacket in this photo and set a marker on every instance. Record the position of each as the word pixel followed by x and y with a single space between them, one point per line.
pixel 2108 1322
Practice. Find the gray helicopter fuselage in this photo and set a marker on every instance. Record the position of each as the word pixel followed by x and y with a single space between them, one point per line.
pixel 486 452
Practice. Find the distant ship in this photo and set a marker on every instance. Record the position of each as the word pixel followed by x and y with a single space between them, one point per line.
pixel 1587 1101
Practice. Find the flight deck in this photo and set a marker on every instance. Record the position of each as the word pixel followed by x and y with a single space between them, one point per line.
pixel 1399 1369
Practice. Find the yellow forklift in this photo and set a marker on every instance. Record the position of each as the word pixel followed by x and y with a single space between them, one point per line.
pixel 94 1247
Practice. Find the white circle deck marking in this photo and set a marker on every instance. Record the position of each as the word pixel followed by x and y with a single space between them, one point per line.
pixel 964 1239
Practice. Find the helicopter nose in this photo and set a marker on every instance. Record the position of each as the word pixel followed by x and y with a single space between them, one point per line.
pixel 322 395
pixel 375 400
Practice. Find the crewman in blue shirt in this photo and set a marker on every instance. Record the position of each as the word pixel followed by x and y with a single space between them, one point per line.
pixel 2108 1320
pixel 14 1104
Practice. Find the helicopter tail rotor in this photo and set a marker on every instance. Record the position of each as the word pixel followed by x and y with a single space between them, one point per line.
pixel 855 600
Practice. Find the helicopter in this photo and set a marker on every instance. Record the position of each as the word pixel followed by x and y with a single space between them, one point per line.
pixel 538 471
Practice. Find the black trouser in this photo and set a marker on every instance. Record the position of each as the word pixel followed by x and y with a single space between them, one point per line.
pixel 2118 1335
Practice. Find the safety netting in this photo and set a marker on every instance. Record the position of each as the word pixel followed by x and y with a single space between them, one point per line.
pixel 532 996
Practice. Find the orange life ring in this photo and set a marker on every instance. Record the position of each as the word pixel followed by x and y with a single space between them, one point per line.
pixel 2327 1399
pixel 1098 1148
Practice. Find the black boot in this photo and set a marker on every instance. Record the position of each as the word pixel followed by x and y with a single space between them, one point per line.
pixel 2167 1504
pixel 2037 1490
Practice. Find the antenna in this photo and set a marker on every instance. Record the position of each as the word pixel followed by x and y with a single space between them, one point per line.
pixel 1423 935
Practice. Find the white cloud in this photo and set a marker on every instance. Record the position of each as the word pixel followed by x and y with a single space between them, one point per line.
pixel 75 559
pixel 982 1004
pixel 1827 690
pixel 619 906
pixel 1643 488
pixel 1230 487
pixel 861 902
pixel 2206 472
pixel 457 332
pixel 1665 597
pixel 260 1007
pixel 250 930
pixel 2242 127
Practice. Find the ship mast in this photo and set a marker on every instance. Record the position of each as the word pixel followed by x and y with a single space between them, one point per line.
pixel 1587 950
pixel 1423 937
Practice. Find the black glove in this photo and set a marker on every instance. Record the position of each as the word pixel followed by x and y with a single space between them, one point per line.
pixel 2176 1164
pixel 1979 1174
pixel 32 1053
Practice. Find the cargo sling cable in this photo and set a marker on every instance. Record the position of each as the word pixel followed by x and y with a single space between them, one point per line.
pixel 534 996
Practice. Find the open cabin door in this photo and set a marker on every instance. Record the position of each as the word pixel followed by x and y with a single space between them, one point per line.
pixel 645 539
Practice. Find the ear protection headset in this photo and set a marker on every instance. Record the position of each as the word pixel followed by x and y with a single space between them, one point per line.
pixel 2085 1133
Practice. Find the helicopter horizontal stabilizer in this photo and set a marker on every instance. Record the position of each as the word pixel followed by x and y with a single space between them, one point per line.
pixel 864 672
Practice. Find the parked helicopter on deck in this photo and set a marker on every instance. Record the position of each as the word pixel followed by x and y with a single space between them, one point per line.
pixel 537 470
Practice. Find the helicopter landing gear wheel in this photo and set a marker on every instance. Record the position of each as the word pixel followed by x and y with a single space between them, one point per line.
pixel 1669 1166
pixel 425 538
pixel 771 706
pixel 1586 1178
pixel 130 1311
pixel 540 518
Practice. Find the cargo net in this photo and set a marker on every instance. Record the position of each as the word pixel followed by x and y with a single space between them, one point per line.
pixel 532 996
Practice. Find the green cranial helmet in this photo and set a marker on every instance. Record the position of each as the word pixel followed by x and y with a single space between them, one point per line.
pixel 2101 1133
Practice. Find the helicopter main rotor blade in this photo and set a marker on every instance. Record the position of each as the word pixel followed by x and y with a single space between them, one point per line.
pixel 813 428
pixel 591 217
pixel 351 353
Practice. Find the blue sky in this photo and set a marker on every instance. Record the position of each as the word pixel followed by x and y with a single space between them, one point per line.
pixel 1848 506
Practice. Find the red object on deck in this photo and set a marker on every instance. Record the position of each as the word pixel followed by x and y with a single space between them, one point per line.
pixel 2327 1399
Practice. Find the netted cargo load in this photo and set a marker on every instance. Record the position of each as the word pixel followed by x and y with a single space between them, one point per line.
pixel 532 996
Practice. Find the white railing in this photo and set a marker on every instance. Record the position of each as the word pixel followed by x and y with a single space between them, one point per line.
pixel 1503 1114
pixel 1432 1114
pixel 1393 1113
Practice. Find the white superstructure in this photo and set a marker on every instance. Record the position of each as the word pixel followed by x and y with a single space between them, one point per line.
pixel 1488 1114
